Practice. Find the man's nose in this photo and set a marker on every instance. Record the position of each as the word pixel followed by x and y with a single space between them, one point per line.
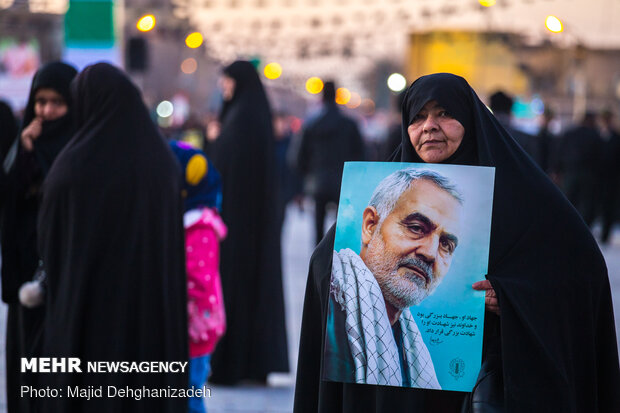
pixel 428 248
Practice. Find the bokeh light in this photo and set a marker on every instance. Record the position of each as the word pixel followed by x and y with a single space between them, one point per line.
pixel 343 96
pixel 396 82
pixel 273 70
pixel 165 109
pixel 355 101
pixel 554 24
pixel 487 3
pixel 146 23
pixel 368 107
pixel 314 85
pixel 189 65
pixel 194 40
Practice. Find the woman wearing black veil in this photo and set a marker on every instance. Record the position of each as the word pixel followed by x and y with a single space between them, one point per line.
pixel 111 239
pixel 255 341
pixel 47 127
pixel 553 346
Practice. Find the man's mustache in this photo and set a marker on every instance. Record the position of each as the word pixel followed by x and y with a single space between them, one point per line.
pixel 420 264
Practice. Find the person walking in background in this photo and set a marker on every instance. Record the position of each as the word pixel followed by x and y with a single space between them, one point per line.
pixel 8 133
pixel 610 173
pixel 289 183
pixel 255 343
pixel 547 143
pixel 112 243
pixel 327 143
pixel 202 190
pixel 501 105
pixel 580 155
pixel 47 127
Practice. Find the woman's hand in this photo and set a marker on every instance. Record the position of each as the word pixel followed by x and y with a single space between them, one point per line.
pixel 490 298
pixel 31 133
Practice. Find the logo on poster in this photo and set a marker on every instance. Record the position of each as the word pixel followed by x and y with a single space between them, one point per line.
pixel 457 368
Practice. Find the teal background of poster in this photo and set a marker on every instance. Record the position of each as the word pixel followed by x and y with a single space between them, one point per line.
pixel 456 358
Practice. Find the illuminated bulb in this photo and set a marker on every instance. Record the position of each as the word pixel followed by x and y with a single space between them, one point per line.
pixel 273 71
pixel 165 109
pixel 146 23
pixel 396 82
pixel 314 85
pixel 554 24
pixel 194 40
pixel 189 65
pixel 343 96
pixel 355 101
pixel 487 3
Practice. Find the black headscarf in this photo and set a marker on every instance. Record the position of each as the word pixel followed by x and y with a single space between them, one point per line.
pixel 558 341
pixel 251 282
pixel 56 133
pixel 111 237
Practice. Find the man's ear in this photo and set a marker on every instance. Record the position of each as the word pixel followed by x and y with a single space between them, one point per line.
pixel 370 219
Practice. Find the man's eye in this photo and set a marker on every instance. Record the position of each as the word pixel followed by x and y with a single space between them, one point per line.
pixel 416 228
pixel 447 246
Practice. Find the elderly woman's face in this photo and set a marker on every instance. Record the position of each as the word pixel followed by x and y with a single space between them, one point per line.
pixel 434 134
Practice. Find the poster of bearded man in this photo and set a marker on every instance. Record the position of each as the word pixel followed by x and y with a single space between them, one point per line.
pixel 411 239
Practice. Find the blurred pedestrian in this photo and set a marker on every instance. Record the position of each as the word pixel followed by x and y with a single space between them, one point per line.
pixel 204 229
pixel 546 277
pixel 501 105
pixel 327 143
pixel 610 173
pixel 8 134
pixel 47 127
pixel 111 239
pixel 580 157
pixel 255 342
pixel 547 143
pixel 289 182
pixel 393 138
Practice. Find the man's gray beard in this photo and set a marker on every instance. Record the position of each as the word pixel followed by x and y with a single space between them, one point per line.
pixel 401 291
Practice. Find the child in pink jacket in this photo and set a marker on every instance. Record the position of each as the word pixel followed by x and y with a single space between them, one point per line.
pixel 203 231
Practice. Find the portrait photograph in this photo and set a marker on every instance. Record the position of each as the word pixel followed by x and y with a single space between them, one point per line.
pixel 411 239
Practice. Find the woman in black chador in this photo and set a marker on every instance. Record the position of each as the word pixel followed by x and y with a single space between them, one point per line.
pixel 549 340
pixel 255 340
pixel 111 239
pixel 47 127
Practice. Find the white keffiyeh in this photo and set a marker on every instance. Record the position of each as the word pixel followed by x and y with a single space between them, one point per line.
pixel 370 336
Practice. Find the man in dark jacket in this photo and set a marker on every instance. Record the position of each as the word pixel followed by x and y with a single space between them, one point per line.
pixel 610 173
pixel 328 141
pixel 581 151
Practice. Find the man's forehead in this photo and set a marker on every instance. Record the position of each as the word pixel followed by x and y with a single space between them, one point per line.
pixel 424 194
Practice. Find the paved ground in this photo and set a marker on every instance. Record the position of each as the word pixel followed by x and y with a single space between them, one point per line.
pixel 278 396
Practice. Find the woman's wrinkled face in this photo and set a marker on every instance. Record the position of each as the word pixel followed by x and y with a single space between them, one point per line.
pixel 434 133
pixel 227 84
pixel 49 104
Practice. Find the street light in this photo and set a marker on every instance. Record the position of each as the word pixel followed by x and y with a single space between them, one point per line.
pixel 314 85
pixel 343 96
pixel 487 3
pixel 273 70
pixel 554 24
pixel 194 40
pixel 146 23
pixel 396 82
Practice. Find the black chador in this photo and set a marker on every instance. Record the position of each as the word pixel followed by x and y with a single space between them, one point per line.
pixel 555 341
pixel 112 243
